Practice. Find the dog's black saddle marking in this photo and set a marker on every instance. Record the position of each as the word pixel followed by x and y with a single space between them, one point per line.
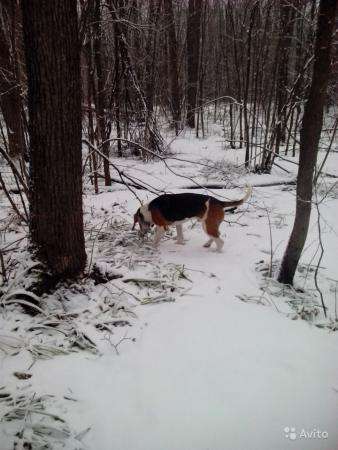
pixel 176 207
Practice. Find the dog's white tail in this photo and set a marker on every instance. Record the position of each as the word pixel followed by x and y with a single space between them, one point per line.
pixel 235 203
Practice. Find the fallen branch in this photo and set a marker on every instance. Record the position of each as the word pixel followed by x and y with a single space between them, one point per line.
pixel 222 186
pixel 149 281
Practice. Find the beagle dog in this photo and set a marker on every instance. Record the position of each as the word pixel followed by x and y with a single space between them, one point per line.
pixel 174 209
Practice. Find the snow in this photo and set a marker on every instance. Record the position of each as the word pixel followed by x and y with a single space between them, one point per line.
pixel 207 371
pixel 206 376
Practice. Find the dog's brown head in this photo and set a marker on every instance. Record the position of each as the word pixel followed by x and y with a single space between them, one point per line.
pixel 143 224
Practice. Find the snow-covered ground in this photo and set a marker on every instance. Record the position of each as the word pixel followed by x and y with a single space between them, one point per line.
pixel 220 367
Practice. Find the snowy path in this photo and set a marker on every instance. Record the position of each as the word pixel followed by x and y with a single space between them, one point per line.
pixel 208 372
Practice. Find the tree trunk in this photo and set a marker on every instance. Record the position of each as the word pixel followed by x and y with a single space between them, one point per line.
pixel 117 90
pixel 286 24
pixel 173 66
pixel 236 61
pixel 90 94
pixel 54 106
pixel 101 106
pixel 246 87
pixel 193 50
pixel 150 48
pixel 309 139
pixel 201 72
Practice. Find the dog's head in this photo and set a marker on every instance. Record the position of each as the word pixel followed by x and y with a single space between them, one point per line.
pixel 143 224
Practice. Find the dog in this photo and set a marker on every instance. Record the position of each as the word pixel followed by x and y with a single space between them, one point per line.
pixel 175 209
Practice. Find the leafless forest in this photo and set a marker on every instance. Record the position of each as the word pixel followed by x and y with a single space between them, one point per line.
pixel 246 65
pixel 99 97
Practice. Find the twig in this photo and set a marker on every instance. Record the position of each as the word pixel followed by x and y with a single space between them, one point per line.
pixel 327 152
pixel 94 240
pixel 3 267
pixel 321 254
pixel 14 170
pixel 9 197
pixel 162 158
pixel 271 250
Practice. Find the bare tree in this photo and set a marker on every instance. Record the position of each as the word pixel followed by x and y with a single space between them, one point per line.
pixel 10 92
pixel 54 105
pixel 309 139
pixel 286 13
pixel 150 48
pixel 193 51
pixel 173 66
pixel 103 124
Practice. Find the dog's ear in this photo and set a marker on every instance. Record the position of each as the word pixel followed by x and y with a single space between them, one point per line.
pixel 136 218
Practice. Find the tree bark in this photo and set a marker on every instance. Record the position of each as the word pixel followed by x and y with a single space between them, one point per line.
pixel 193 50
pixel 54 105
pixel 309 139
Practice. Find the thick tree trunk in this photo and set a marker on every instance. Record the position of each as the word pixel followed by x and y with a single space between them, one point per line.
pixel 54 106
pixel 309 139
pixel 193 50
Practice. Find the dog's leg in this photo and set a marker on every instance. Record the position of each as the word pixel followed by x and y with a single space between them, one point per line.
pixel 159 232
pixel 179 238
pixel 208 243
pixel 211 227
pixel 210 240
pixel 219 244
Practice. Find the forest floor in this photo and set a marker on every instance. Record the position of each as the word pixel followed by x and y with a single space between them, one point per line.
pixel 183 348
